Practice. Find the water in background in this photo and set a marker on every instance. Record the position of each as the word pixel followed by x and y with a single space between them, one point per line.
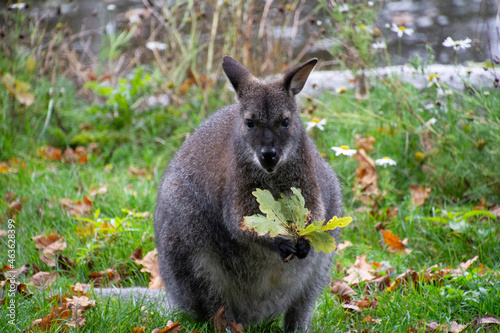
pixel 432 20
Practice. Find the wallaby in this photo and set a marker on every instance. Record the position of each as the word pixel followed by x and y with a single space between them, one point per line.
pixel 206 260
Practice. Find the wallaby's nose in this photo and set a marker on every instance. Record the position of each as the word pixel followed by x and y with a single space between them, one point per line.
pixel 268 154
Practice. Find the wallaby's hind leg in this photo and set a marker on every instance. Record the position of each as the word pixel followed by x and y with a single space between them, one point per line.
pixel 298 316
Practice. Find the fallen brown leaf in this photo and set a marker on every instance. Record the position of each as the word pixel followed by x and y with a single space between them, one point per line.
pixel 137 172
pixel 79 305
pixel 360 271
pixel 365 143
pixel 432 327
pixel 73 156
pixel 19 89
pixel 220 322
pixel 101 190
pixel 344 245
pixel 101 278
pixel 150 263
pixel 395 245
pixel 78 208
pixel 50 153
pixel 342 290
pixel 56 315
pixel 419 194
pixel 43 279
pixel 47 246
pixel 369 319
pixel 10 273
pixel 137 254
pixel 409 276
pixel 171 327
pixel 486 321
pixel 365 183
pixel 353 307
pixel 379 283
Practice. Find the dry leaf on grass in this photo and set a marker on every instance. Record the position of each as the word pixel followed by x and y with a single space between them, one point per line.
pixel 344 245
pixel 50 153
pixel 137 254
pixel 150 263
pixel 353 307
pixel 432 327
pixel 10 273
pixel 78 306
pixel 73 156
pixel 365 143
pixel 486 321
pixel 419 194
pixel 360 271
pixel 101 278
pixel 78 208
pixel 137 172
pixel 171 327
pixel 56 315
pixel 395 245
pixel 71 310
pixel 101 190
pixel 369 319
pixel 47 246
pixel 379 283
pixel 43 279
pixel 365 184
pixel 12 166
pixel 342 290
pixel 220 322
pixel 18 287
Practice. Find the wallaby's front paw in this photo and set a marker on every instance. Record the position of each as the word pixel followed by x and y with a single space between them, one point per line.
pixel 286 248
pixel 303 248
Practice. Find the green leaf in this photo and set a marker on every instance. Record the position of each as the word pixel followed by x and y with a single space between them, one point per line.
pixel 269 206
pixel 287 217
pixel 321 241
pixel 334 223
pixel 262 225
pixel 479 212
pixel 293 208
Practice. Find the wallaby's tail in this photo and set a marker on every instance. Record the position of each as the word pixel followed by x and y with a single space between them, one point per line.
pixel 152 297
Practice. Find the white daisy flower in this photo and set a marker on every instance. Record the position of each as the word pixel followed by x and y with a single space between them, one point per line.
pixel 344 150
pixel 401 30
pixel 19 5
pixel 432 121
pixel 434 81
pixel 379 45
pixel 457 44
pixel 344 8
pixel 385 161
pixel 156 45
pixel 315 122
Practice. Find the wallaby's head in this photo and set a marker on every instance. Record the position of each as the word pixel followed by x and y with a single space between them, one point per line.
pixel 269 127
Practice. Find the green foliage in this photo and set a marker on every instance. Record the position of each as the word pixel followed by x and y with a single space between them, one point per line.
pixel 287 216
pixel 457 221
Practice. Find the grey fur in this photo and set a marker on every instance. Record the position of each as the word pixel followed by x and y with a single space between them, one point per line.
pixel 206 260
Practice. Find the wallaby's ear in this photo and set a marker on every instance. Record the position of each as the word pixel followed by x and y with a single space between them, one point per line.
pixel 295 79
pixel 235 72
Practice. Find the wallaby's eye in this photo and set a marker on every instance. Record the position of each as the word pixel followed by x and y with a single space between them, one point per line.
pixel 285 122
pixel 249 123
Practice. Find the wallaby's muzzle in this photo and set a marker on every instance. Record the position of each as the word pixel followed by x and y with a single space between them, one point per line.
pixel 268 159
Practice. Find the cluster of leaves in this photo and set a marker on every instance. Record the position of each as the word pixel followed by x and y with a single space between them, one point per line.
pixel 288 216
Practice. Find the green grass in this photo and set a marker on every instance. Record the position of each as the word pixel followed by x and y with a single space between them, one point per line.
pixel 461 166
pixel 42 183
